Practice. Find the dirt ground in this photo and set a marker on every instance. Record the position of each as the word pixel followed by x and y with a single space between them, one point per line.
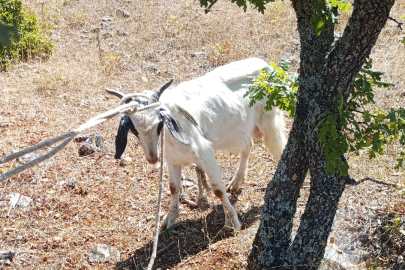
pixel 114 202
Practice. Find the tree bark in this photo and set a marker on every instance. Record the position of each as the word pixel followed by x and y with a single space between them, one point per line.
pixel 326 69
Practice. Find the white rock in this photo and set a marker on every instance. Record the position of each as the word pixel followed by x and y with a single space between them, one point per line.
pixel 6 256
pixel 24 201
pixel 72 182
pixel 128 159
pixel 104 253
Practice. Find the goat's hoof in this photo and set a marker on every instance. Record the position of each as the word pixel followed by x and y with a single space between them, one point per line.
pixel 168 221
pixel 235 226
pixel 203 204
pixel 232 187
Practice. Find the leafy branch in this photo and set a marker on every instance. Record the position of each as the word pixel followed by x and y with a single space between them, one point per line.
pixel 324 14
pixel 354 126
pixel 279 86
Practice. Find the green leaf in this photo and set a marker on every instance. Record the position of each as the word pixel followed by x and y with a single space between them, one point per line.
pixel 285 65
pixel 341 5
pixel 367 116
pixel 318 24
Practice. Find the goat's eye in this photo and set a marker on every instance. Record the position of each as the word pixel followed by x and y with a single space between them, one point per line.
pixel 159 128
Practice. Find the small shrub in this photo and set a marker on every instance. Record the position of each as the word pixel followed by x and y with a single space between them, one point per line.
pixel 30 40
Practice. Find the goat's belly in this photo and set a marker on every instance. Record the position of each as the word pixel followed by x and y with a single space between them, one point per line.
pixel 179 158
pixel 232 144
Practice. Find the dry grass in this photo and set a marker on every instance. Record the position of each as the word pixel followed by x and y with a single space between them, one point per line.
pixel 115 204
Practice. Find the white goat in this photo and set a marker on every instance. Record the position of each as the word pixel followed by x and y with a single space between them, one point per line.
pixel 203 115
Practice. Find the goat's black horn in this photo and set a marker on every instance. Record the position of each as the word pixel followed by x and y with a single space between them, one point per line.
pixel 158 93
pixel 115 93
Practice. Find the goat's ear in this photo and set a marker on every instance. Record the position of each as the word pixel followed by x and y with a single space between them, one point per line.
pixel 173 126
pixel 156 95
pixel 115 93
pixel 122 135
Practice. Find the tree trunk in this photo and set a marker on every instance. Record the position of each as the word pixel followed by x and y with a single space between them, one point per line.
pixel 326 69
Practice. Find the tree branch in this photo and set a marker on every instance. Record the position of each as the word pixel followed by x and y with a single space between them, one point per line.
pixel 208 9
pixel 399 24
pixel 359 37
pixel 350 181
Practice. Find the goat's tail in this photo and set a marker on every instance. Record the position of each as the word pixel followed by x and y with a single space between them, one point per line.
pixel 272 127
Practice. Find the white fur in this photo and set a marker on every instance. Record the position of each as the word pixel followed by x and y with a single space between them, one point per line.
pixel 226 121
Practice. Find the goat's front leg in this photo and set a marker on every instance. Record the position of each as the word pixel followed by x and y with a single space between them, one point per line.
pixel 238 179
pixel 202 201
pixel 210 166
pixel 175 186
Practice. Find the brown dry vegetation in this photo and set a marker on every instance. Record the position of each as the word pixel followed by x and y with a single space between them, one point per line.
pixel 115 203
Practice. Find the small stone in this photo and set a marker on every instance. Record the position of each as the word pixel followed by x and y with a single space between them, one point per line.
pixel 86 149
pixel 198 54
pixel 6 257
pixel 6 124
pixel 107 35
pixel 107 24
pixel 84 138
pixel 104 253
pixel 57 239
pixel 106 19
pixel 122 33
pixel 187 183
pixel 24 201
pixel 128 159
pixel 54 33
pixel 123 13
pixel 20 238
pixel 99 139
pixel 96 30
pixel 5 262
pixel 84 102
pixel 13 199
pixel 72 182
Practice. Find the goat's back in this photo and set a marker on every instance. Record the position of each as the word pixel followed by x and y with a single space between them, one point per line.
pixel 216 101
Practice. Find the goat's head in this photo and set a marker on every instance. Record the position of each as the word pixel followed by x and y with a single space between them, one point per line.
pixel 146 122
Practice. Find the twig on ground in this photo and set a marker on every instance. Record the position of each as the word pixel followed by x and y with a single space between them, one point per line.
pixel 134 262
pixel 208 9
pixel 352 182
pixel 178 247
pixel 161 251
pixel 268 158
pixel 187 201
pixel 156 237
pixel 399 24
pixel 67 137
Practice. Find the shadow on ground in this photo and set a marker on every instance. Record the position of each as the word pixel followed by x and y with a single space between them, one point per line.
pixel 185 239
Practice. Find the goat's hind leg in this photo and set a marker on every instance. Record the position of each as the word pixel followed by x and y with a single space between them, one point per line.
pixel 175 186
pixel 239 178
pixel 202 201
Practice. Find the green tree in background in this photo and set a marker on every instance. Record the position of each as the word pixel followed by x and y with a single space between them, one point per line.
pixel 21 36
